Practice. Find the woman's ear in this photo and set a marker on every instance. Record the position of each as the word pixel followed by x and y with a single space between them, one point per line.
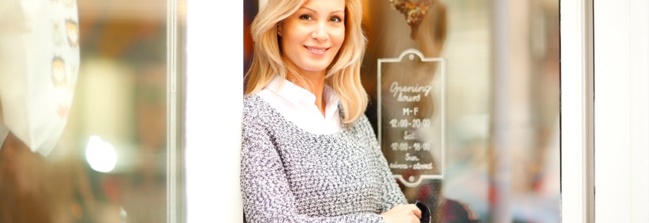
pixel 279 29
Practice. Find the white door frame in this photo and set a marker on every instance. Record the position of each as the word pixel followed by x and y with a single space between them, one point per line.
pixel 621 110
pixel 577 192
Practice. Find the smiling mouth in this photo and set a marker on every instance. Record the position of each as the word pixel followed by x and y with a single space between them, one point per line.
pixel 317 50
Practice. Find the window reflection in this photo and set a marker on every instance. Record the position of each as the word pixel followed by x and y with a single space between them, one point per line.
pixel 110 164
pixel 122 101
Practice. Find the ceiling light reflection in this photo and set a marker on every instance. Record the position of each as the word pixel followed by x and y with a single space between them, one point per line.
pixel 101 155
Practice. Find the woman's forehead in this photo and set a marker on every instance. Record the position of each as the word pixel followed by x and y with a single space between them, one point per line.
pixel 324 5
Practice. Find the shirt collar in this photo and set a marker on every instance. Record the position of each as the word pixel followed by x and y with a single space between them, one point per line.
pixel 332 100
pixel 289 91
pixel 297 95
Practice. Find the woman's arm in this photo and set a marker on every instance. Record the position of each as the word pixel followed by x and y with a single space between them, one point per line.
pixel 391 194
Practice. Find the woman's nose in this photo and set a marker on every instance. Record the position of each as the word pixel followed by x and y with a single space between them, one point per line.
pixel 320 33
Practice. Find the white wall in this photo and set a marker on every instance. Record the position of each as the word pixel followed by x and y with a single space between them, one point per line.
pixel 639 93
pixel 214 103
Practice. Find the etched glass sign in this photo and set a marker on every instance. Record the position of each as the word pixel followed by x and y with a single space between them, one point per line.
pixel 411 116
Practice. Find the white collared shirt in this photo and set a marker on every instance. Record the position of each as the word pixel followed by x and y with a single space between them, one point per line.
pixel 297 105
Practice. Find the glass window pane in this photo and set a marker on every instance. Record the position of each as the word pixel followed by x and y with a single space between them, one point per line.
pixel 492 69
pixel 118 155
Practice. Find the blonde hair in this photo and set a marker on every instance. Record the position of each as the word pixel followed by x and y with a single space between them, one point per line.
pixel 343 74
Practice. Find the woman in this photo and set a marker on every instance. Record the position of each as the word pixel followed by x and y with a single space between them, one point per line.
pixel 309 153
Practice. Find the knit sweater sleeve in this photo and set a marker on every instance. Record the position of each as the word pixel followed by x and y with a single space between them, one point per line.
pixel 267 196
pixel 391 193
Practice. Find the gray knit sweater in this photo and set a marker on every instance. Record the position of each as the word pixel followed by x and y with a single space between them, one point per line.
pixel 290 175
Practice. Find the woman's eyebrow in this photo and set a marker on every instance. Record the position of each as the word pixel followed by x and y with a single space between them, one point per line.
pixel 313 10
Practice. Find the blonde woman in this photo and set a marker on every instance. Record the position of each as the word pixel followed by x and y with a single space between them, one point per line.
pixel 309 153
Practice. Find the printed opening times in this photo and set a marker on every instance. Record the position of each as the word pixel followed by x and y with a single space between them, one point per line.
pixel 404 146
pixel 408 117
pixel 410 123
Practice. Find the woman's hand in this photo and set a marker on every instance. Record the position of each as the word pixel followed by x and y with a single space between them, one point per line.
pixel 402 213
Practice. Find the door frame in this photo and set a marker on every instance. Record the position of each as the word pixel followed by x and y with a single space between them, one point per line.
pixel 577 154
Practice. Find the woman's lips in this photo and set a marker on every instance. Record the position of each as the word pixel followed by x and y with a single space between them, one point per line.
pixel 317 50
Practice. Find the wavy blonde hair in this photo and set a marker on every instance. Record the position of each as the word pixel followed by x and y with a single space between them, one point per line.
pixel 343 74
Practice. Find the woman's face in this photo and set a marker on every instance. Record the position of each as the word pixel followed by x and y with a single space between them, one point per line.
pixel 312 36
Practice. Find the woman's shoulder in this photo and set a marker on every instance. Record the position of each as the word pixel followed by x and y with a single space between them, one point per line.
pixel 251 100
pixel 362 122
pixel 256 109
pixel 253 103
pixel 252 106
pixel 363 125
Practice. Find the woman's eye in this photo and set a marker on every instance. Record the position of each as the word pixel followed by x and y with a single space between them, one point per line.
pixel 336 19
pixel 305 17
